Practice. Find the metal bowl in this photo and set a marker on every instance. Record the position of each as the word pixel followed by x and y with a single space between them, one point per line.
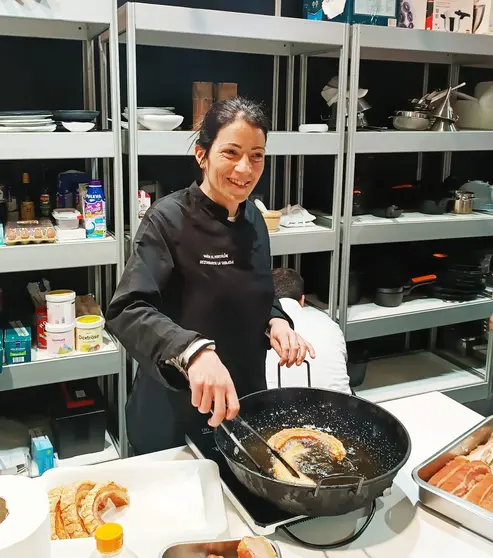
pixel 408 120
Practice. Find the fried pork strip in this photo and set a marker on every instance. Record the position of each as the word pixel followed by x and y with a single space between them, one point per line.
pixel 96 500
pixel 56 523
pixel 482 493
pixel 255 547
pixel 483 453
pixel 71 499
pixel 446 472
pixel 291 454
pixel 335 448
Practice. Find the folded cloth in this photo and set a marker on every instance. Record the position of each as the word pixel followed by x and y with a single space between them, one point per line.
pixel 295 216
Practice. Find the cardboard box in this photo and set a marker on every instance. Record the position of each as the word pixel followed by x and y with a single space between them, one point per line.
pixel 413 14
pixel 41 451
pixel 483 17
pixel 370 12
pixel 17 344
pixel 452 16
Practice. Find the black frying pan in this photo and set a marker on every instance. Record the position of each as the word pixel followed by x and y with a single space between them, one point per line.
pixel 394 296
pixel 378 445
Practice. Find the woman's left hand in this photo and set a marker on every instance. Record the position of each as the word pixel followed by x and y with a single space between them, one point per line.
pixel 288 344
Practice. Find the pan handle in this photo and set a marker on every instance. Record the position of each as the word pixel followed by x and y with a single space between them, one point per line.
pixel 351 480
pixel 308 374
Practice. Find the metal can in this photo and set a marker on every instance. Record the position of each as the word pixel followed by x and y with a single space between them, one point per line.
pixel 41 319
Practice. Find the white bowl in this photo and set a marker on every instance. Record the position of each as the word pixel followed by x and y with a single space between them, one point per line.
pixel 79 126
pixel 160 122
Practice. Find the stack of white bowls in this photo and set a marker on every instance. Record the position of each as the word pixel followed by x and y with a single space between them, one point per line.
pixel 158 119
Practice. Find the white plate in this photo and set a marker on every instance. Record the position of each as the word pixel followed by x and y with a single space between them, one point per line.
pixel 169 502
pixel 25 123
pixel 78 126
pixel 50 128
pixel 160 122
pixel 21 118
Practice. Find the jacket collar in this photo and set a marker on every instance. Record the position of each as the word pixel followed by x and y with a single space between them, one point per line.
pixel 214 208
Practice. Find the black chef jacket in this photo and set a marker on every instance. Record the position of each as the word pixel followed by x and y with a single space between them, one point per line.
pixel 192 274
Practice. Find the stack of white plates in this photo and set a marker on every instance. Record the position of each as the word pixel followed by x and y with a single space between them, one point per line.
pixel 161 119
pixel 26 121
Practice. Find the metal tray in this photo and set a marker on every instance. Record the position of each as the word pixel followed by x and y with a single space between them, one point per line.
pixel 466 514
pixel 227 549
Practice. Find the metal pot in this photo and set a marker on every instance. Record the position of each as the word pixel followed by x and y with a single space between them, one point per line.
pixel 463 202
pixel 411 120
pixel 394 296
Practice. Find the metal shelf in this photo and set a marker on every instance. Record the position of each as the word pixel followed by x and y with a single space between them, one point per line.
pixel 200 29
pixel 369 320
pixel 55 20
pixel 414 374
pixel 413 226
pixel 302 240
pixel 45 369
pixel 56 145
pixel 394 43
pixel 59 255
pixel 394 141
pixel 278 143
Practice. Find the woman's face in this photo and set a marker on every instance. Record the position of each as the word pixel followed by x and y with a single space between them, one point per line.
pixel 234 164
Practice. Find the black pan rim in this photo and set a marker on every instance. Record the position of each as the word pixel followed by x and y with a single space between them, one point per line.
pixel 369 482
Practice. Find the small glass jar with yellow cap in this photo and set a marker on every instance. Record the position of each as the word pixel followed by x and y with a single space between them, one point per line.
pixel 109 542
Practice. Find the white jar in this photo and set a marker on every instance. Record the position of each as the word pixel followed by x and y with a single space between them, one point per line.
pixel 89 333
pixel 61 307
pixel 60 339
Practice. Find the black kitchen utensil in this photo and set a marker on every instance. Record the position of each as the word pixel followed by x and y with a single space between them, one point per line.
pixel 391 297
pixel 378 443
pixel 389 212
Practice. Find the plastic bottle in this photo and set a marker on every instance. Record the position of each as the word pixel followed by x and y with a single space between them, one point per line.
pixel 95 210
pixel 109 542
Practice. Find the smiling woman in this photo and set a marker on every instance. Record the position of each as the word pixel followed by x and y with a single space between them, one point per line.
pixel 195 305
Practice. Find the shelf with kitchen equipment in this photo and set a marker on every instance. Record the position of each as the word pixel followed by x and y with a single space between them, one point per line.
pixel 67 134
pixel 60 255
pixel 49 369
pixel 414 226
pixel 416 373
pixel 55 145
pixel 369 320
pixel 180 142
pixel 397 141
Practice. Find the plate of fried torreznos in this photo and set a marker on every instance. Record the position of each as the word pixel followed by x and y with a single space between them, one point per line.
pixel 76 509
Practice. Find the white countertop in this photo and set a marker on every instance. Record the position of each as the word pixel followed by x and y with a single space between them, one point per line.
pixel 400 528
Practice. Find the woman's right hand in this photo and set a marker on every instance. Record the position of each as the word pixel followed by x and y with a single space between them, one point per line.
pixel 210 383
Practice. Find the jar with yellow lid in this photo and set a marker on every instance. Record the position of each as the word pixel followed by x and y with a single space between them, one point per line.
pixel 109 542
pixel 89 333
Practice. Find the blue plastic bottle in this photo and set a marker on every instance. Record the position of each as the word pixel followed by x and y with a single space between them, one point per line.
pixel 95 210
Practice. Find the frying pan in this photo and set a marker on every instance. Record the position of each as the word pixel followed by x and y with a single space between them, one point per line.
pixel 393 296
pixel 374 438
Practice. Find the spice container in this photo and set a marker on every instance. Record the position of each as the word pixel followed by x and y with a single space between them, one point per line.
pixel 67 218
pixel 203 97
pixel 41 319
pixel 61 307
pixel 89 333
pixel 59 338
pixel 272 220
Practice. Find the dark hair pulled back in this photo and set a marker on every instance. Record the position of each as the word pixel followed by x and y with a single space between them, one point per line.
pixel 224 113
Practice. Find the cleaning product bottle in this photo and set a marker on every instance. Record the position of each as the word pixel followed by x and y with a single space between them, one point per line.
pixel 95 210
pixel 109 542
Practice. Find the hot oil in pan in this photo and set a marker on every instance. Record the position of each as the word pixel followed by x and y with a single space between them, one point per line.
pixel 316 462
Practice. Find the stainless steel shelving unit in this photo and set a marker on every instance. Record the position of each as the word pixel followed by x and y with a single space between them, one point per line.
pixel 363 321
pixel 80 21
pixel 144 24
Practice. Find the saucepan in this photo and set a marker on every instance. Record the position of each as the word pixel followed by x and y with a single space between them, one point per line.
pixel 377 446
pixel 391 297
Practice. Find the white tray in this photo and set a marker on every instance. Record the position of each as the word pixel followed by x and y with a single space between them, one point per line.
pixel 170 502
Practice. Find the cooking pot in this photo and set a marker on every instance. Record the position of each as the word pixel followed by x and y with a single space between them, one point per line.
pixel 452 19
pixel 391 297
pixel 377 442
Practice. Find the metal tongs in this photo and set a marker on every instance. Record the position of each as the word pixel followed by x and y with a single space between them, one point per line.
pixel 241 447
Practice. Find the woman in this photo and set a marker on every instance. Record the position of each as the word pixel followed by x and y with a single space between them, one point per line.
pixel 195 305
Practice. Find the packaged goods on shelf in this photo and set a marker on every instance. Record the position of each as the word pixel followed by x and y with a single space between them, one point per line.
pixel 28 232
pixel 95 210
pixel 71 189
pixel 1 350
pixel 60 338
pixel 41 451
pixel 382 13
pixel 89 333
pixel 453 16
pixel 483 17
pixel 41 319
pixel 61 307
pixel 17 343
